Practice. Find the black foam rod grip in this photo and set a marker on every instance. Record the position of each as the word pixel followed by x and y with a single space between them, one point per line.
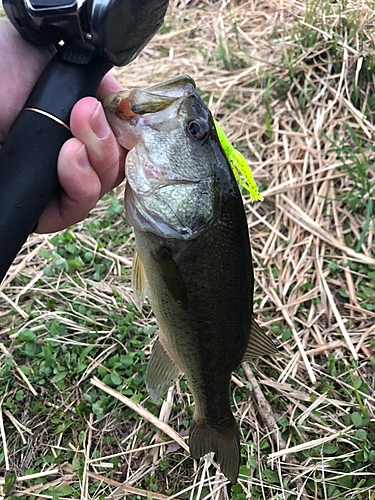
pixel 28 158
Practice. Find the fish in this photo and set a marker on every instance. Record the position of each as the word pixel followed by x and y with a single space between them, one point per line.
pixel 193 257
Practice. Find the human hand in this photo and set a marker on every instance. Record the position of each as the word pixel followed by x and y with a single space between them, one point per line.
pixel 21 64
pixel 91 163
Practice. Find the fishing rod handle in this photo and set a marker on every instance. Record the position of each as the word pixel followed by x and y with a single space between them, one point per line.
pixel 28 158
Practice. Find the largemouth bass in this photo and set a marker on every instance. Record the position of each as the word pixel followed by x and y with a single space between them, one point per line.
pixel 193 257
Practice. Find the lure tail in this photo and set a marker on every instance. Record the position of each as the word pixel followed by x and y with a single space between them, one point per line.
pixel 239 165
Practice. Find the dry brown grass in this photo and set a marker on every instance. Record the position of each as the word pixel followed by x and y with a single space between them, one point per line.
pixel 281 99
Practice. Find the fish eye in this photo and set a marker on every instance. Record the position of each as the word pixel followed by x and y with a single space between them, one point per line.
pixel 197 129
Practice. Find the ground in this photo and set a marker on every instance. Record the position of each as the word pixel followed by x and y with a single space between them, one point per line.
pixel 292 84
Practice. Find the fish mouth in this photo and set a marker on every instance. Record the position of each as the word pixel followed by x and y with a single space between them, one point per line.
pixel 128 109
pixel 129 104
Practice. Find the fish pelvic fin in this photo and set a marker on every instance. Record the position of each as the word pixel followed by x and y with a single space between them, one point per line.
pixel 259 343
pixel 161 372
pixel 138 281
pixel 223 440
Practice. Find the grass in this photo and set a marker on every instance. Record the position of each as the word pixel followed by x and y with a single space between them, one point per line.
pixel 292 85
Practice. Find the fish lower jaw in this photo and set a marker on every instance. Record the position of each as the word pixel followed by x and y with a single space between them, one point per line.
pixel 163 179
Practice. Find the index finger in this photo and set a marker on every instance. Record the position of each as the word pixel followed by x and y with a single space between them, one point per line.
pixel 108 85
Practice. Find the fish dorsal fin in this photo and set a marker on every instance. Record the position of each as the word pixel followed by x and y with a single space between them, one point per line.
pixel 161 372
pixel 171 276
pixel 138 281
pixel 259 343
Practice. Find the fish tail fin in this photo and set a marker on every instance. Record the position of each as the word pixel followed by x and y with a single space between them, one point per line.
pixel 223 440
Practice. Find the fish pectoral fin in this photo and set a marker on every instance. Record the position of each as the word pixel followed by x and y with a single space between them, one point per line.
pixel 162 371
pixel 259 343
pixel 223 440
pixel 171 276
pixel 138 281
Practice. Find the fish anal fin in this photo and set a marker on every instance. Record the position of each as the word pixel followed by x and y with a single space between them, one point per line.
pixel 161 372
pixel 223 440
pixel 259 343
pixel 138 281
pixel 171 276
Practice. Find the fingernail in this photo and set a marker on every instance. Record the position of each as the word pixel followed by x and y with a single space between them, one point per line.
pixel 82 159
pixel 99 123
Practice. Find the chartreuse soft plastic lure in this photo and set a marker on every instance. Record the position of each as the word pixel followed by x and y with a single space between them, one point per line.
pixel 239 165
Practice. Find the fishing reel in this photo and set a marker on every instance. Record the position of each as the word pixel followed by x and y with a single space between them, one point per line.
pixel 115 30
pixel 90 36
